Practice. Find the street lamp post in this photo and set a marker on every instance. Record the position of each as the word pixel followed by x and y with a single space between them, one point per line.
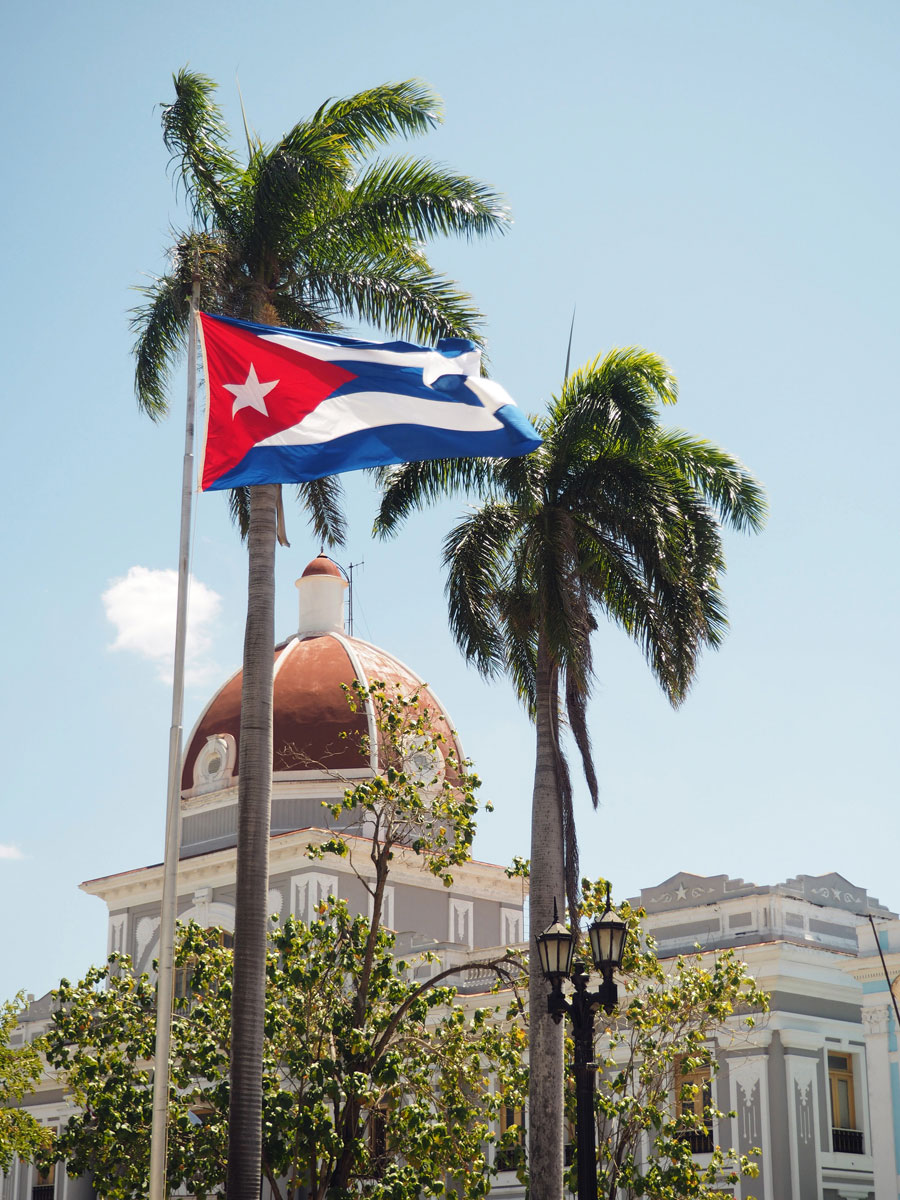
pixel 556 946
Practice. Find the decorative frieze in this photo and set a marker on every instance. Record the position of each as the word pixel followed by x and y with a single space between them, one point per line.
pixel 876 1020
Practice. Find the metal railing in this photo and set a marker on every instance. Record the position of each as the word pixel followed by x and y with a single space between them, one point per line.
pixel 699 1140
pixel 847 1141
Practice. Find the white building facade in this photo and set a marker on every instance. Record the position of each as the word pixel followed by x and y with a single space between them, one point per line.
pixel 814 1084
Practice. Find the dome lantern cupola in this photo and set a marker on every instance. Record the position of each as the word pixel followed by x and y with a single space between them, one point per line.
pixel 321 594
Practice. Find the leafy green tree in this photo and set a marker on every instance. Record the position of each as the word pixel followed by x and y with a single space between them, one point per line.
pixel 21 1136
pixel 307 229
pixel 650 1052
pixel 371 1079
pixel 612 516
pixel 396 1101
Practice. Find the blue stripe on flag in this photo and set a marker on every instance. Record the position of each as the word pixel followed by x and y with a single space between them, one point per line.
pixel 451 347
pixel 380 446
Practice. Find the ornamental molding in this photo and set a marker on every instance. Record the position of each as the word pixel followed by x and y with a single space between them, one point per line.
pixel 145 933
pixel 740 1043
pixel 286 785
pixel 876 1020
pixel 801 1039
pixel 287 853
pixel 868 969
pixel 682 893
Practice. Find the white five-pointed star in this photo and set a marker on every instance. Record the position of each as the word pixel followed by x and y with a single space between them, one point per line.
pixel 680 893
pixel 250 394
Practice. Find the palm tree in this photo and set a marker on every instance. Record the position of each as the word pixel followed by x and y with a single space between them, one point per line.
pixel 308 229
pixel 613 515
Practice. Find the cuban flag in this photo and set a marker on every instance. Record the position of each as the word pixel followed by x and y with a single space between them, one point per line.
pixel 285 407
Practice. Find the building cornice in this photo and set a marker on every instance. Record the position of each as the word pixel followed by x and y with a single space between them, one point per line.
pixel 287 851
pixel 868 969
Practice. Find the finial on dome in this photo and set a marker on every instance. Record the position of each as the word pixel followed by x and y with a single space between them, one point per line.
pixel 321 593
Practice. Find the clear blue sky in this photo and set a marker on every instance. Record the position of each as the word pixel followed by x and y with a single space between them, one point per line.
pixel 715 181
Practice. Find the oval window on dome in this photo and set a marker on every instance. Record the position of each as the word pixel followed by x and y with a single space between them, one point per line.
pixel 215 761
pixel 423 761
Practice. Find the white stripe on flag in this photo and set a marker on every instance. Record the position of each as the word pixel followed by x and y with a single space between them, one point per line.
pixel 339 415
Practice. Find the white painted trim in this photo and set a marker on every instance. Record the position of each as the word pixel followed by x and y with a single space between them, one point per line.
pixel 749 1072
pixel 512 924
pixel 308 890
pixel 117 938
pixel 422 683
pixel 360 672
pixel 803 1073
pixel 207 914
pixel 286 851
pixel 461 908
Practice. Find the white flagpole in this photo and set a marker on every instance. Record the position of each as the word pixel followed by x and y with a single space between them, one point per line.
pixel 169 907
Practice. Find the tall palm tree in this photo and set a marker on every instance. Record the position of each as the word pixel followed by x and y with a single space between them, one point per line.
pixel 612 516
pixel 306 230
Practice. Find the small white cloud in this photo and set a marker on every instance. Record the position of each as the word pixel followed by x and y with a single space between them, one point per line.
pixel 142 605
pixel 10 852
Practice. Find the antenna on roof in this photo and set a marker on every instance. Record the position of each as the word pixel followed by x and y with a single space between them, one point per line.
pixel 569 349
pixel 350 571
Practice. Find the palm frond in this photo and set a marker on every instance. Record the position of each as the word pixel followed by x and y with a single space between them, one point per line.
pixel 576 713
pixel 294 313
pixel 625 588
pixel 614 398
pixel 161 325
pixel 736 495
pixel 414 198
pixel 411 301
pixel 372 117
pixel 283 186
pixel 161 321
pixel 196 136
pixel 475 551
pixel 415 485
pixel 239 508
pixel 323 500
pixel 518 606
pixel 549 546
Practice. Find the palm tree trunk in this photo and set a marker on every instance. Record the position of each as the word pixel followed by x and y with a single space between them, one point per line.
pixel 545 1088
pixel 254 810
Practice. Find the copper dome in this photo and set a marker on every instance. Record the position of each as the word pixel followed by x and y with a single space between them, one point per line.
pixel 311 713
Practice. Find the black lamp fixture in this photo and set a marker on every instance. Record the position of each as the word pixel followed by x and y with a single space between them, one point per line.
pixel 556 948
pixel 607 935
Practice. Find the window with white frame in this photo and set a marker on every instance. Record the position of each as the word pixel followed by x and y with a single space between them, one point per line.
pixel 43 1186
pixel 846 1130
pixel 510 1154
pixel 693 1099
